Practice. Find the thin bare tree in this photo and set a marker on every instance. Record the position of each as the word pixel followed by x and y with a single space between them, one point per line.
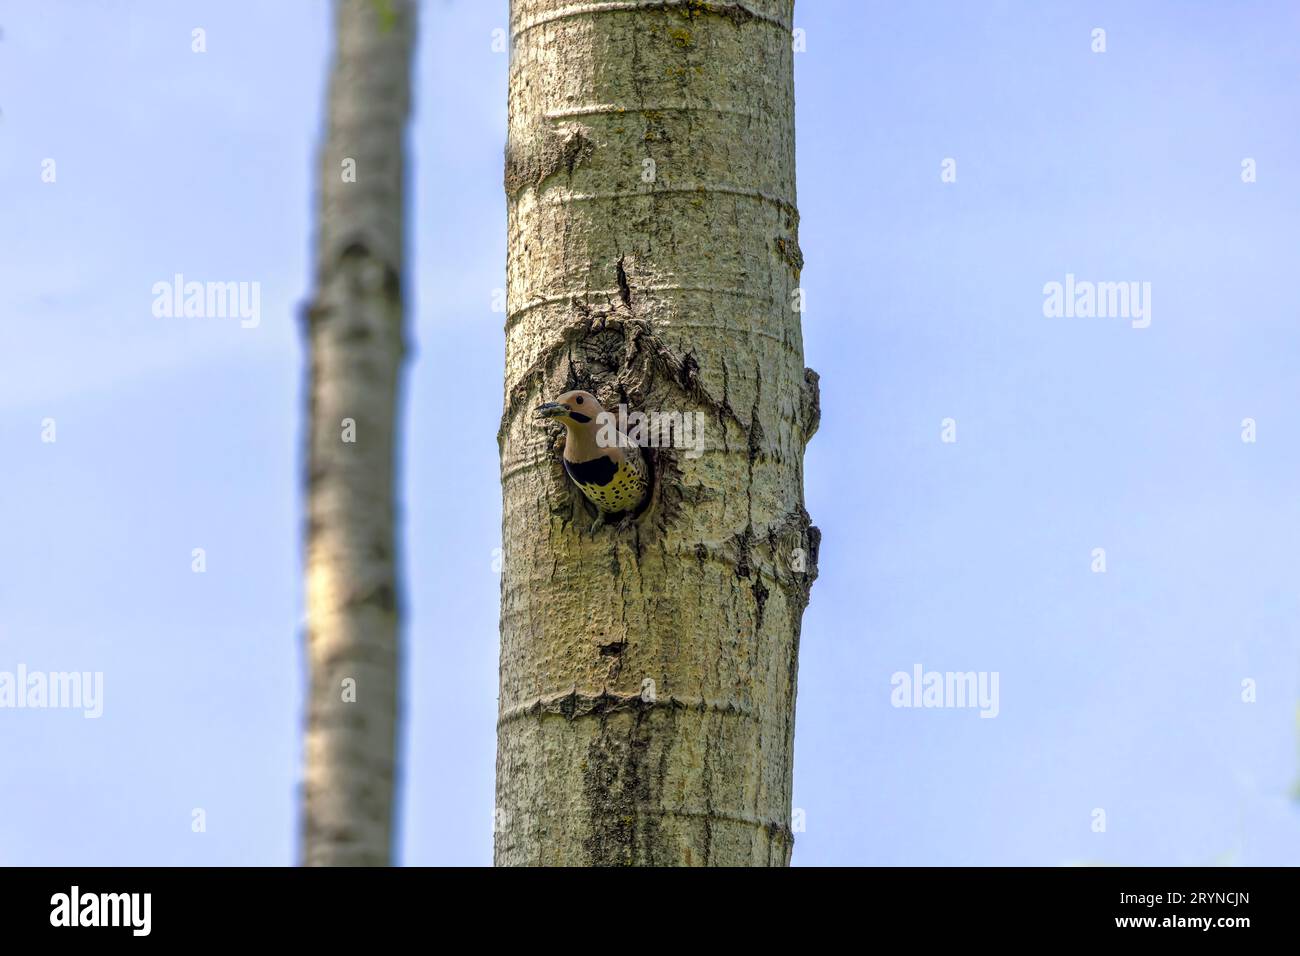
pixel 354 326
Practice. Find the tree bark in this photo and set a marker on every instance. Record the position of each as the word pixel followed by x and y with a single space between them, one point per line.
pixel 647 682
pixel 354 329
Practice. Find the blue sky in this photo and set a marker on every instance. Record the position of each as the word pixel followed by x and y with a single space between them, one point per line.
pixel 1120 691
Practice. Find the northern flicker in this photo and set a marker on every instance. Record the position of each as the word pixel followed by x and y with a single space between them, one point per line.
pixel 604 463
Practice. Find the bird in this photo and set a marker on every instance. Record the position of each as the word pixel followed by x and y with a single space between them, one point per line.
pixel 608 467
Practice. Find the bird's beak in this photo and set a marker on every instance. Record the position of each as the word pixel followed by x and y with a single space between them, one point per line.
pixel 550 410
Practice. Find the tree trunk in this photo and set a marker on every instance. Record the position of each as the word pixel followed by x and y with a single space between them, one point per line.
pixel 648 676
pixel 354 328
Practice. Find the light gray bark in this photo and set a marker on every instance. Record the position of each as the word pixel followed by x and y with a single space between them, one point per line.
pixel 354 329
pixel 647 679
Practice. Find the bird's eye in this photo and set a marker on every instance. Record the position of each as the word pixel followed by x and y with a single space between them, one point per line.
pixel 579 399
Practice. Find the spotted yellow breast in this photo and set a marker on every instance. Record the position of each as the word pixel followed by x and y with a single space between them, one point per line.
pixel 611 486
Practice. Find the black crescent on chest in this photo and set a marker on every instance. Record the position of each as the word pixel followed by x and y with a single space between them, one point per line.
pixel 599 471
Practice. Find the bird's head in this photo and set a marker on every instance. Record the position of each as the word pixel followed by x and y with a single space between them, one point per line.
pixel 572 408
